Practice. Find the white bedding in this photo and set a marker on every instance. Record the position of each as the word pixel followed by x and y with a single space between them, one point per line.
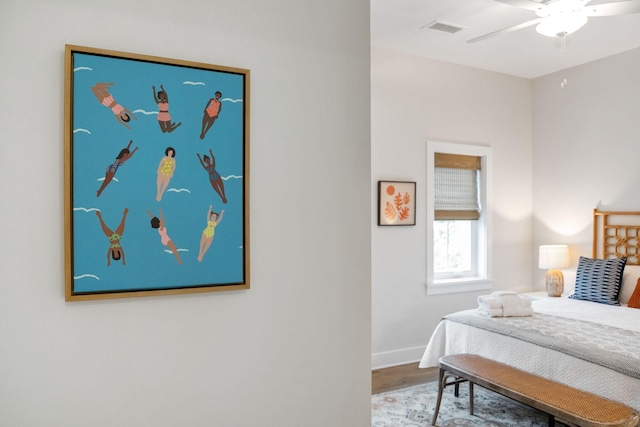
pixel 453 337
pixel 620 317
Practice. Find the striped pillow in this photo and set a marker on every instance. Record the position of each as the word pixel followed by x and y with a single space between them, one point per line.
pixel 599 280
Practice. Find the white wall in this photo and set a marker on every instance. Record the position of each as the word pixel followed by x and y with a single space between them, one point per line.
pixel 415 100
pixel 295 349
pixel 585 150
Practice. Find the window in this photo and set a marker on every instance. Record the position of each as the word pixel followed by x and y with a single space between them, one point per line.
pixel 453 254
pixel 456 213
pixel 458 222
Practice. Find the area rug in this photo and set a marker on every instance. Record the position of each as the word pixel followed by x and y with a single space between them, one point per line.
pixel 414 406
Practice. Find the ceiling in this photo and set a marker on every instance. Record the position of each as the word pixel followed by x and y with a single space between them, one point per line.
pixel 396 25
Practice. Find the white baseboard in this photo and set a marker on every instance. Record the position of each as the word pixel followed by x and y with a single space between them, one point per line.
pixel 396 357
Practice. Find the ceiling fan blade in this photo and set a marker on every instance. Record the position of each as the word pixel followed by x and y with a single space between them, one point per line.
pixel 524 4
pixel 612 9
pixel 506 30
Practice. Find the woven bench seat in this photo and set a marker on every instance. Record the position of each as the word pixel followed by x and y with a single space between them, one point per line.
pixel 560 401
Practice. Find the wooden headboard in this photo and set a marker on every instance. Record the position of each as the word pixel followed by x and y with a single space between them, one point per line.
pixel 616 235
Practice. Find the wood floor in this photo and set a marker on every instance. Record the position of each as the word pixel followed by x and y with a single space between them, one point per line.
pixel 395 377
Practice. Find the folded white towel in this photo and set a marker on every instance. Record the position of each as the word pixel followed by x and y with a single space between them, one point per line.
pixel 501 293
pixel 489 301
pixel 513 305
pixel 519 312
pixel 504 304
pixel 524 300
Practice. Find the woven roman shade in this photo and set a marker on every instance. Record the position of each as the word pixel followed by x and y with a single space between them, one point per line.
pixel 456 187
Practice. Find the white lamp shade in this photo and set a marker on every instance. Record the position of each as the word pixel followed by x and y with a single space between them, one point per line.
pixel 561 25
pixel 553 257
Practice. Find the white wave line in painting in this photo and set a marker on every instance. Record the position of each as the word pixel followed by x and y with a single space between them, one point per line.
pixel 146 113
pixel 179 250
pixel 231 100
pixel 226 178
pixel 193 83
pixel 81 130
pixel 84 276
pixel 178 190
pixel 86 210
pixel 82 68
pixel 113 179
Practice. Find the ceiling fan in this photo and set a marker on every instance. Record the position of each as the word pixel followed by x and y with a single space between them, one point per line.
pixel 558 18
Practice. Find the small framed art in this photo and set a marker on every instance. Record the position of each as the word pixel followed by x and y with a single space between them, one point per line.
pixel 396 203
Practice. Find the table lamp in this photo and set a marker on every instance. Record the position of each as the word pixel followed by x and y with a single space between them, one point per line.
pixel 554 257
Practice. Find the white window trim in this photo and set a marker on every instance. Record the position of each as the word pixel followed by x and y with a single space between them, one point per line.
pixel 452 286
pixel 484 280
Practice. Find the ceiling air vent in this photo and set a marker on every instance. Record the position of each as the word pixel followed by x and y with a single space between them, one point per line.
pixel 442 27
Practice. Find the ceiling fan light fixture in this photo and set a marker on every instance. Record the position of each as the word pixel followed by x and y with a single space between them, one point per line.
pixel 561 24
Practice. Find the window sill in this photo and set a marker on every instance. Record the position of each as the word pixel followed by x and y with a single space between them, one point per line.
pixel 452 286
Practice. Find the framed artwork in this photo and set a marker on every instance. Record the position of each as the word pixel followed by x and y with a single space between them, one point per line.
pixel 156 165
pixel 396 203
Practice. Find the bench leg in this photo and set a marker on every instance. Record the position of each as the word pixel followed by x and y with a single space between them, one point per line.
pixel 470 398
pixel 441 381
pixel 552 420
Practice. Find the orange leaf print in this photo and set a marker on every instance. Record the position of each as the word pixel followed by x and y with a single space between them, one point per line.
pixel 406 199
pixel 390 211
pixel 397 200
pixel 404 213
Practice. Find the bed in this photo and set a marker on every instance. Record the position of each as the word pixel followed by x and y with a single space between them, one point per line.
pixel 593 346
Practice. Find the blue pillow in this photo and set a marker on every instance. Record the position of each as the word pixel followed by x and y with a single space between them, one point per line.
pixel 599 280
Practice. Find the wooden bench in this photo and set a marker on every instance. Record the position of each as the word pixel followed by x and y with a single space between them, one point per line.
pixel 557 400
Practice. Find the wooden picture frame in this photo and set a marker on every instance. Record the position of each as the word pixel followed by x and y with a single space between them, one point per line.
pixel 396 203
pixel 156 162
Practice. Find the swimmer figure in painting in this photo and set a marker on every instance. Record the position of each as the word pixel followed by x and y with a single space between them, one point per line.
pixel 164 118
pixel 209 164
pixel 207 234
pixel 211 112
pixel 122 157
pixel 115 250
pixel 122 114
pixel 164 235
pixel 166 168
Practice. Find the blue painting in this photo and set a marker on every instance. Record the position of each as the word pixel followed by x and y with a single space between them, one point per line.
pixel 157 179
